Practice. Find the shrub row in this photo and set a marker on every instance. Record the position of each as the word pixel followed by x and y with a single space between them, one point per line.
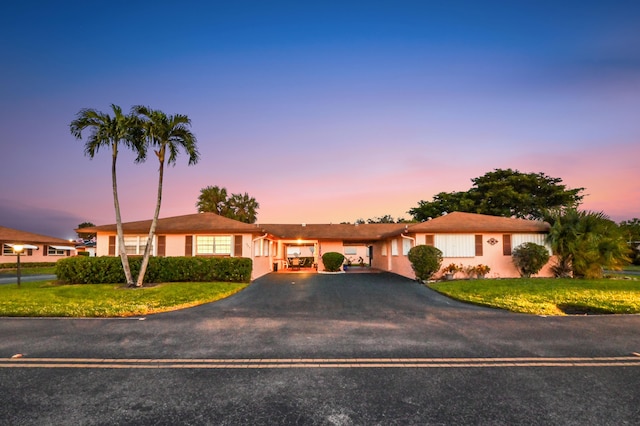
pixel 104 270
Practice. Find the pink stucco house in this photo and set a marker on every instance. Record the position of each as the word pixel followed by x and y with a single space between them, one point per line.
pixel 37 248
pixel 464 238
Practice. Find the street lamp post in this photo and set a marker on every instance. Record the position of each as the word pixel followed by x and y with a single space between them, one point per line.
pixel 17 249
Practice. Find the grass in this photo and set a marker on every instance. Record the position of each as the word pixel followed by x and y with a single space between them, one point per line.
pixel 47 299
pixel 548 296
pixel 50 270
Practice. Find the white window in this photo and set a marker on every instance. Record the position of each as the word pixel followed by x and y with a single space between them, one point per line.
pixel 257 248
pixel 53 251
pixel 265 247
pixel 456 245
pixel 406 246
pixel 135 245
pixel 213 245
pixel 518 239
pixel 384 248
pixel 394 247
pixel 350 250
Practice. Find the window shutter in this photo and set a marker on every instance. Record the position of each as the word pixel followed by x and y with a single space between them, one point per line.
pixel 506 244
pixel 237 246
pixel 188 245
pixel 478 245
pixel 112 245
pixel 429 240
pixel 45 249
pixel 162 243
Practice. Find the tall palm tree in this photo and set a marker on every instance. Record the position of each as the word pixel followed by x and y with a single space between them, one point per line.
pixel 167 134
pixel 109 132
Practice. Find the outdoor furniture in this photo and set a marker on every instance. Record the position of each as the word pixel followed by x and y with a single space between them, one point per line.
pixel 295 263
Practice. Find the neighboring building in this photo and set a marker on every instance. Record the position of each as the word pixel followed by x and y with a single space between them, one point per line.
pixel 37 248
pixel 464 238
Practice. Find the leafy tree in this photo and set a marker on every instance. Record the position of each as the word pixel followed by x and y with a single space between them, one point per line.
pixel 506 193
pixel 108 131
pixel 240 207
pixel 86 236
pixel 529 258
pixel 586 243
pixel 425 261
pixel 167 135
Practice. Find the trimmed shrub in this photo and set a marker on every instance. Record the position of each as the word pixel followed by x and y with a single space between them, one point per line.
pixel 332 261
pixel 529 258
pixel 425 261
pixel 106 269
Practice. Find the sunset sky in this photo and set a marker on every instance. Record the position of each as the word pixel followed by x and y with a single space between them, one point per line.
pixel 324 111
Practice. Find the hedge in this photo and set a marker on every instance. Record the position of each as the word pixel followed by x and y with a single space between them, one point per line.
pixel 104 269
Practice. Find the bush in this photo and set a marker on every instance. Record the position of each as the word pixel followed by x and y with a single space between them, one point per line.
pixel 332 261
pixel 425 261
pixel 529 258
pixel 106 269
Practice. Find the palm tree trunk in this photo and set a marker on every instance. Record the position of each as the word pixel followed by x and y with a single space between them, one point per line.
pixel 116 202
pixel 154 222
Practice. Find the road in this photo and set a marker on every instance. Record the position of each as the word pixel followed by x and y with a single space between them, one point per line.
pixel 330 350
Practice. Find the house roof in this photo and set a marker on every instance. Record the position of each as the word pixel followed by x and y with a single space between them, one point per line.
pixel 10 235
pixel 459 222
pixel 187 224
pixel 455 222
pixel 346 232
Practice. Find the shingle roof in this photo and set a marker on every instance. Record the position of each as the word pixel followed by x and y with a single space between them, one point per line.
pixel 345 232
pixel 192 223
pixel 458 222
pixel 455 222
pixel 10 235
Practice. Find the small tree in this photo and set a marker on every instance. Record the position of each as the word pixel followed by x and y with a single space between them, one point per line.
pixel 332 261
pixel 425 261
pixel 529 258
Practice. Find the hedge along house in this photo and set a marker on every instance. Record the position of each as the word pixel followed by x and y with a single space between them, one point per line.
pixel 464 238
pixel 37 248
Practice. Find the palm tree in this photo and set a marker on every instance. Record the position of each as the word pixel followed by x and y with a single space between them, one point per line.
pixel 108 132
pixel 167 134
pixel 213 199
pixel 585 243
pixel 243 208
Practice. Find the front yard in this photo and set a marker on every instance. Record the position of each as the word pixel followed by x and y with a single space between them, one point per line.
pixel 548 296
pixel 46 299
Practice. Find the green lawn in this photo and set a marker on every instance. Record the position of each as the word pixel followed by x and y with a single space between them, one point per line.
pixel 548 296
pixel 46 299
pixel 28 271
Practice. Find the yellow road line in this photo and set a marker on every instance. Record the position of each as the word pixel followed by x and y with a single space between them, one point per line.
pixel 275 363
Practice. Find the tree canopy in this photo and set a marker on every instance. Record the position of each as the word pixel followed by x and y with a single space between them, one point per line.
pixel 503 192
pixel 214 199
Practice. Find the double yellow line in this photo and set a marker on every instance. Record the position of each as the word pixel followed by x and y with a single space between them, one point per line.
pixel 273 363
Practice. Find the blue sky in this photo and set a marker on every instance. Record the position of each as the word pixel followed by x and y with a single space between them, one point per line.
pixel 323 111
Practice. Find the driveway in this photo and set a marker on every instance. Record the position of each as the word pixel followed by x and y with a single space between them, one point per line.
pixel 483 366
